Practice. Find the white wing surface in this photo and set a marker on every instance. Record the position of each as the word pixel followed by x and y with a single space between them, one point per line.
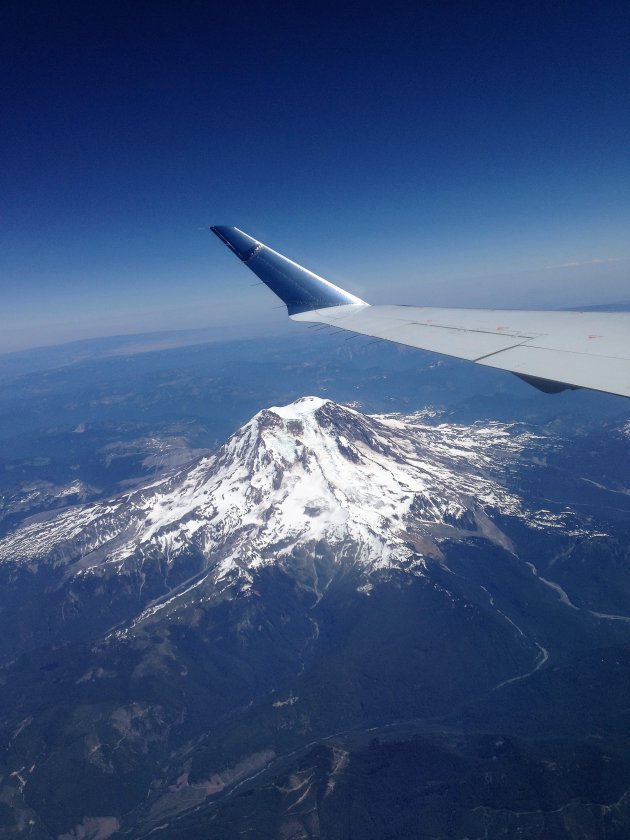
pixel 551 350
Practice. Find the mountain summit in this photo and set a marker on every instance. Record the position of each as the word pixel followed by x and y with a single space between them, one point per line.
pixel 312 479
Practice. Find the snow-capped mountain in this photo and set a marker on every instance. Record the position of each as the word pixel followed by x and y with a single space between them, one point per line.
pixel 311 477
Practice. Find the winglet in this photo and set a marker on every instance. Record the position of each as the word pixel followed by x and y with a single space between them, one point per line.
pixel 243 245
pixel 297 287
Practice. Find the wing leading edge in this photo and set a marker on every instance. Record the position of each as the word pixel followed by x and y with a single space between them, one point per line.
pixel 550 350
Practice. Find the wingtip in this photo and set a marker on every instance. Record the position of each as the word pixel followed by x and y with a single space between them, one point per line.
pixel 240 243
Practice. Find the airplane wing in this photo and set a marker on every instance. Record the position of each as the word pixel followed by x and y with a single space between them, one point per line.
pixel 550 350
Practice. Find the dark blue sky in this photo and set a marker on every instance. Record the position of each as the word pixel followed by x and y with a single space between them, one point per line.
pixel 440 152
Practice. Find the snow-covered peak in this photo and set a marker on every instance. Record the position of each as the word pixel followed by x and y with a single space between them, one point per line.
pixel 298 410
pixel 310 483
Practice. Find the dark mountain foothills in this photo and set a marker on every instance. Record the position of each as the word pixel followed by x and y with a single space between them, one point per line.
pixel 333 626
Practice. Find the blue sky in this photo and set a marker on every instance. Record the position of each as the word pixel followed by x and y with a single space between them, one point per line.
pixel 437 152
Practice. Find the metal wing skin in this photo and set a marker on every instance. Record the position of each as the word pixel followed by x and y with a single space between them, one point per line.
pixel 551 350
